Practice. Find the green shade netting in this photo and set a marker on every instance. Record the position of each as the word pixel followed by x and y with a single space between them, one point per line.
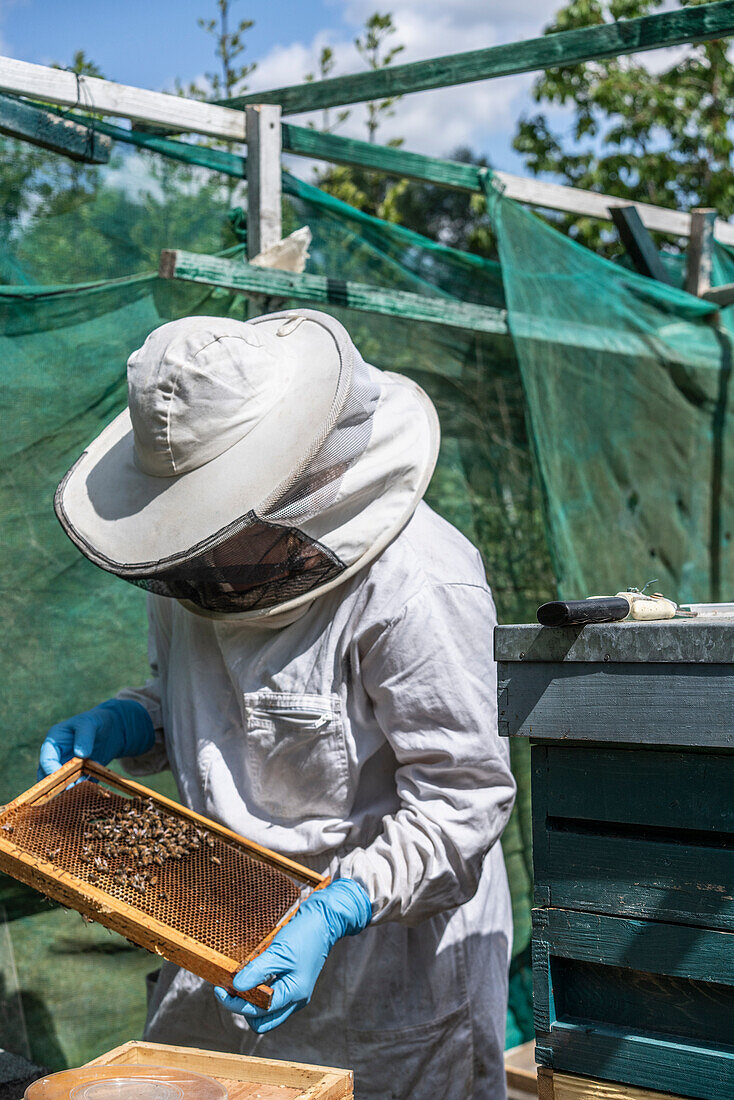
pixel 71 635
pixel 627 383
pixel 624 384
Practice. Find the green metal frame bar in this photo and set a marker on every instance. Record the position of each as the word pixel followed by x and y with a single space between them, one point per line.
pixel 651 32
pixel 236 275
pixel 305 142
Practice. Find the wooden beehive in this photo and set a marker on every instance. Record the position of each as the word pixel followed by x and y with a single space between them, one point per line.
pixel 244 1078
pixel 631 727
pixel 166 878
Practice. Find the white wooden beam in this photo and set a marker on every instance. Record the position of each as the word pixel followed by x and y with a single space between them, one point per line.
pixel 91 93
pixel 574 200
pixel 264 226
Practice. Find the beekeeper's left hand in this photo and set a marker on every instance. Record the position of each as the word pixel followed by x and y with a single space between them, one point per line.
pixel 295 958
pixel 117 727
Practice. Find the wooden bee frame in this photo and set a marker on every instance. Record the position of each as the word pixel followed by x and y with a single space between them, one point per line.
pixel 141 927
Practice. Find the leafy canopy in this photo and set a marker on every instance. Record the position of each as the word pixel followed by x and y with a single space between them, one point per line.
pixel 653 128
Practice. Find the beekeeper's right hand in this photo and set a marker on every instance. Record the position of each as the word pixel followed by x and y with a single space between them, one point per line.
pixel 118 727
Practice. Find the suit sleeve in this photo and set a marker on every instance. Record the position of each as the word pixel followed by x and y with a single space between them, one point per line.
pixel 432 680
pixel 149 695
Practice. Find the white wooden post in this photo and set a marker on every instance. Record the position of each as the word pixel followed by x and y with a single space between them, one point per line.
pixel 700 251
pixel 264 227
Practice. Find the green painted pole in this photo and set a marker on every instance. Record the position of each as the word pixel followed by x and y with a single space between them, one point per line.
pixel 80 140
pixel 318 289
pixel 651 32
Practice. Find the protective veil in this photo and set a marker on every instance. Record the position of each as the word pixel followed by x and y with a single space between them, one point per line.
pixel 351 726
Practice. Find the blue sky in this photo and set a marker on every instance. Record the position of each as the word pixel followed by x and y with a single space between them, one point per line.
pixel 147 42
pixel 151 42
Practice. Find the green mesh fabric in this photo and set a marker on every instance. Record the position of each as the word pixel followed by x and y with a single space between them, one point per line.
pixel 627 383
pixel 623 382
pixel 78 298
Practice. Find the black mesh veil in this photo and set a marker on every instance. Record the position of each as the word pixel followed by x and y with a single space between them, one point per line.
pixel 255 566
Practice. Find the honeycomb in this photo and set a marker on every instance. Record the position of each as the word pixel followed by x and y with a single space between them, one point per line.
pixel 164 866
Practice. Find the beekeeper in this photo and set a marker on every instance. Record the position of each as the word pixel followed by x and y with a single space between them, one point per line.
pixel 322 683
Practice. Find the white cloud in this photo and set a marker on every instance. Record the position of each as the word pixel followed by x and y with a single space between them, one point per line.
pixel 482 115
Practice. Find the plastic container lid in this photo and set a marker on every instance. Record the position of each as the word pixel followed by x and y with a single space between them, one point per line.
pixel 126 1083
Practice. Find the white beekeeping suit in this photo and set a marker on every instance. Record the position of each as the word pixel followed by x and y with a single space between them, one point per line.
pixel 329 694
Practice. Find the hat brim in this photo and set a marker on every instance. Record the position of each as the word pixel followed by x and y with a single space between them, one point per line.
pixel 378 496
pixel 120 516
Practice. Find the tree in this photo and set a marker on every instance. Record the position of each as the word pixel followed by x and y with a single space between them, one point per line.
pixel 370 191
pixel 452 217
pixel 371 47
pixel 637 133
pixel 230 45
pixel 229 81
pixel 455 218
pixel 327 62
pixel 36 185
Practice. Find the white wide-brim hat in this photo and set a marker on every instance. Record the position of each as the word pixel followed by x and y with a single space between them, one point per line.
pixel 258 465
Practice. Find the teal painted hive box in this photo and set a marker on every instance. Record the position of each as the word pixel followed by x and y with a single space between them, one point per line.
pixel 632 743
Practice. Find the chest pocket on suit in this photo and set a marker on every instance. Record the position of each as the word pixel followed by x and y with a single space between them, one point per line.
pixel 296 754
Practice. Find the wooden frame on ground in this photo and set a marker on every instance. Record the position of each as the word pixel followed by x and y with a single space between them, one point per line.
pixel 243 1077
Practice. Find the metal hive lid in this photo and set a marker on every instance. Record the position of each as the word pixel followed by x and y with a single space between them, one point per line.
pixel 706 639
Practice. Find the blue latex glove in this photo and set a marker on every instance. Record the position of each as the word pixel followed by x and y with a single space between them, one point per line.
pixel 298 952
pixel 119 727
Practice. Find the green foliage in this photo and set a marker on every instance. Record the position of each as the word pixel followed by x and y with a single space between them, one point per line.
pixel 371 47
pixel 451 217
pixel 230 81
pixel 369 191
pixel 326 67
pixel 82 65
pixel 652 136
pixel 36 185
pixel 230 45
pixel 454 218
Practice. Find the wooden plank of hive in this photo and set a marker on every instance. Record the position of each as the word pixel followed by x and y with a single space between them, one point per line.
pixel 243 1076
pixel 643 1002
pixel 620 830
pixel 565 1086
